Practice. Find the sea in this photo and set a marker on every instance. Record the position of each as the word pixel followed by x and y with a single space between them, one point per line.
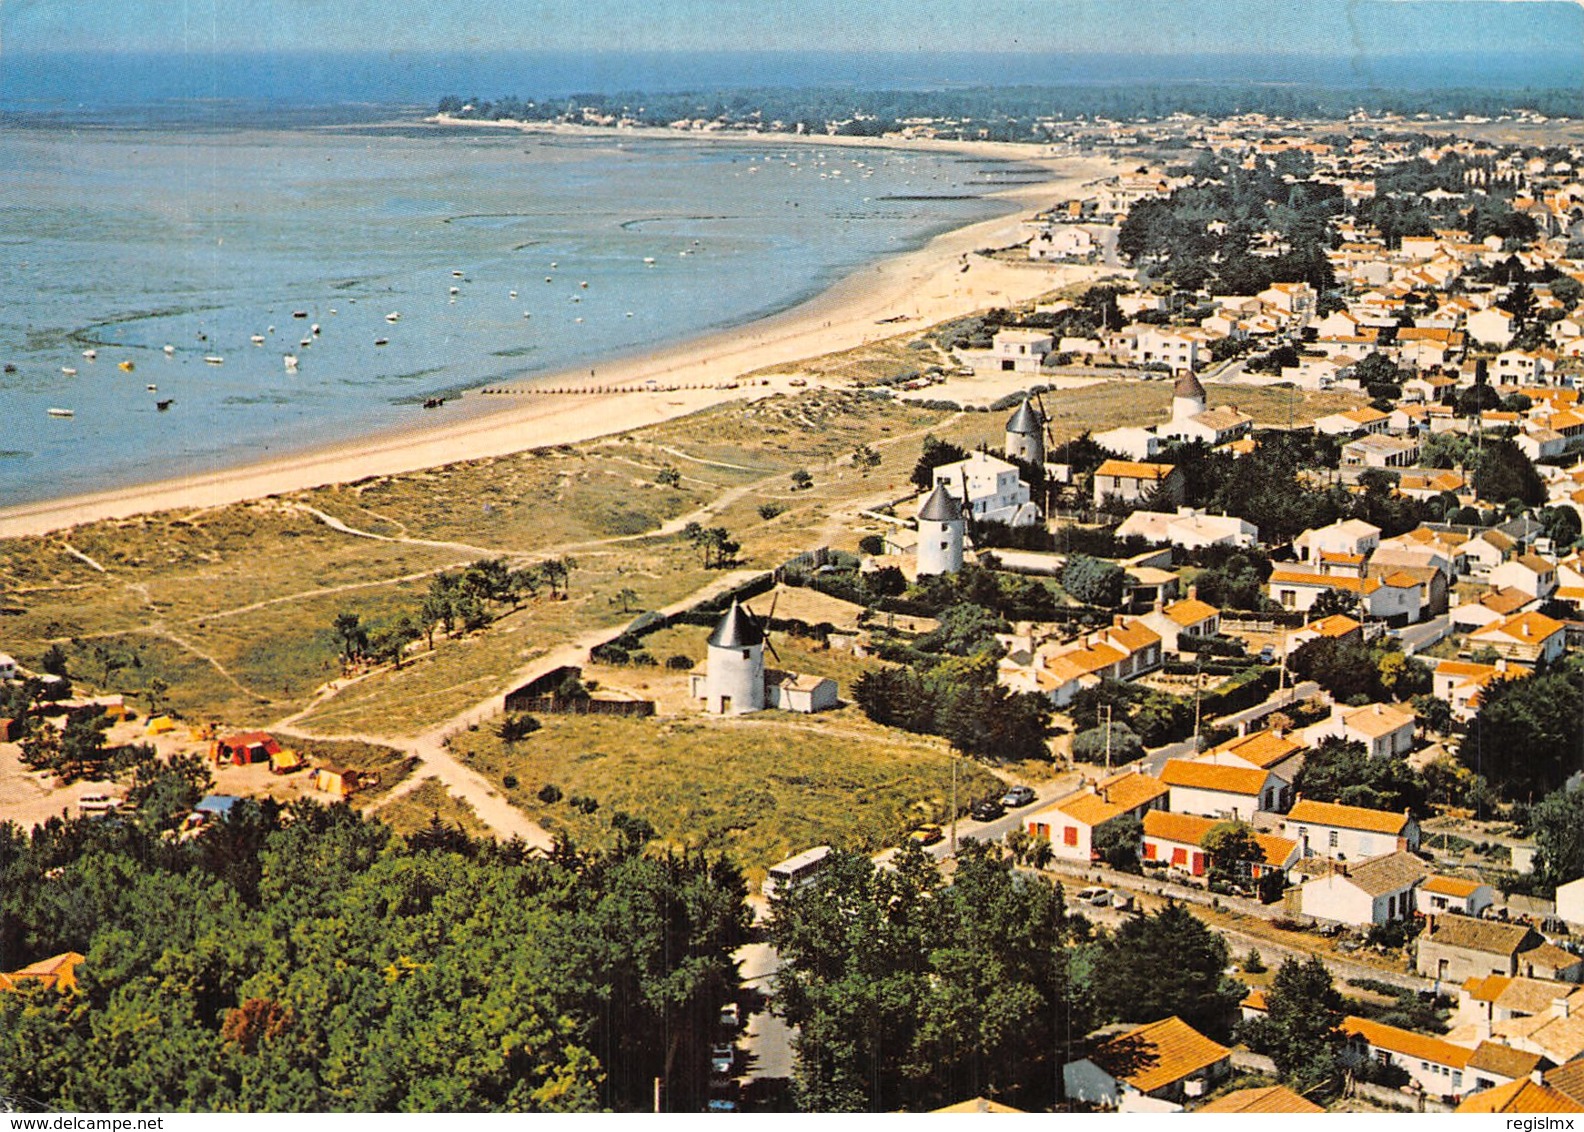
pixel 397 262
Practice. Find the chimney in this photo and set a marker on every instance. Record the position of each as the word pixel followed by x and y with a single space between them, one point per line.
pixel 1560 1007
pixel 1279 732
pixel 1378 709
pixel 1193 592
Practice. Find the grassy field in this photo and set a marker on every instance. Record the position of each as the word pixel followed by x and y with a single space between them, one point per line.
pixel 759 787
pixel 415 809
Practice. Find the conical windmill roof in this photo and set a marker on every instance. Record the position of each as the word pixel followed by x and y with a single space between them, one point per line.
pixel 1188 386
pixel 1026 421
pixel 941 507
pixel 739 629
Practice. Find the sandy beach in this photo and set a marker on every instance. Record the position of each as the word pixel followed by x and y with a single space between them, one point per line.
pixel 915 290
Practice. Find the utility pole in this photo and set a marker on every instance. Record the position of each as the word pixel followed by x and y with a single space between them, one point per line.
pixel 1108 739
pixel 1198 686
pixel 954 802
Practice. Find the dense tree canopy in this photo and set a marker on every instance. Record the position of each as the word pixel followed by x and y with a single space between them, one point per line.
pixel 307 959
pixel 1526 738
pixel 1164 963
pixel 1338 771
pixel 1302 1029
pixel 910 994
pixel 1557 821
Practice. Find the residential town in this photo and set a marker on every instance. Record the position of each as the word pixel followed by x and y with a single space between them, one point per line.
pixel 1259 706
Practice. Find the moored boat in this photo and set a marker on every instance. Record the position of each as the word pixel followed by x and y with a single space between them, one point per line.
pixel 60 412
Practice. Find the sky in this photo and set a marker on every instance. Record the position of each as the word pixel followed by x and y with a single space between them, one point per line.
pixel 1324 27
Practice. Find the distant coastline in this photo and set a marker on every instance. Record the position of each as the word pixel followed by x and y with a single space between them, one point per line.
pixel 916 288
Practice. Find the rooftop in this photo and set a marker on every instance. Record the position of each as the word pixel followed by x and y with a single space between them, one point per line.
pixel 1209 776
pixel 1347 817
pixel 1154 1056
pixel 1522 1095
pixel 1273 1099
pixel 1388 873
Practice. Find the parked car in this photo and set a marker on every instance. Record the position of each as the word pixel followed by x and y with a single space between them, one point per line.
pixel 722 1058
pixel 1096 896
pixel 927 834
pixel 987 809
pixel 730 1016
pixel 1017 796
pixel 1267 654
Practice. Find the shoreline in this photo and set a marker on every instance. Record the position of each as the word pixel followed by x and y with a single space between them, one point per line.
pixel 915 289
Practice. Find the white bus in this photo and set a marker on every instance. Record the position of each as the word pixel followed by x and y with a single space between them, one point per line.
pixel 795 872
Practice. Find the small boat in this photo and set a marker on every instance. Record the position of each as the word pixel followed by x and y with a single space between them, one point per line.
pixel 394 316
pixel 151 387
pixel 60 412
pixel 291 363
pixel 381 341
pixel 306 342
pixel 164 405
pixel 257 339
pixel 649 259
pixel 169 349
pixel 554 265
pixel 270 330
pixel 511 294
pixel 527 314
pixel 299 314
pixel 334 311
pixel 434 402
pixel 214 359
pixel 90 354
pixel 584 284
pixel 456 275
pixel 456 290
pixel 629 314
pixel 314 330
pixel 69 371
pixel 125 367
pixel 577 320
pixel 549 279
pixel 203 337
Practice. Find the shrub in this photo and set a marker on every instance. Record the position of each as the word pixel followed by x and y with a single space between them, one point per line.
pixel 549 793
pixel 509 781
pixel 679 663
pixel 771 510
pixel 583 803
pixel 871 545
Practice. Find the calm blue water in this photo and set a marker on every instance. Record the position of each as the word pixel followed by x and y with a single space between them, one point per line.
pixel 125 240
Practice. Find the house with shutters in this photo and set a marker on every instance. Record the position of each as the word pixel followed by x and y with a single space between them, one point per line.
pixel 1439 894
pixel 1177 841
pixel 1396 597
pixel 1461 684
pixel 1218 791
pixel 1348 833
pixel 1521 1095
pixel 1153 1068
pixel 1070 823
pixel 1376 891
pixel 1528 574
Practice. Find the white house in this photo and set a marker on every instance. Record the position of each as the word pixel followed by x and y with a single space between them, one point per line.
pixel 1177 840
pixel 992 488
pixel 1216 791
pixel 1189 617
pixel 1528 637
pixel 1438 894
pixel 1353 422
pixel 1527 573
pixel 1189 528
pixel 1434 1064
pixel 1492 326
pixel 1065 241
pixel 800 692
pixel 1348 833
pixel 1016 349
pixel 1069 823
pixel 1176 349
pixel 1384 730
pixel 1131 442
pixel 1130 481
pixel 1349 536
pixel 1397 595
pixel 1151 1069
pixel 1376 891
pixel 1570 902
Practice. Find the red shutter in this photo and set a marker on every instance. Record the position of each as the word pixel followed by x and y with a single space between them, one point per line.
pixel 1179 856
pixel 1198 864
pixel 1070 835
pixel 1149 850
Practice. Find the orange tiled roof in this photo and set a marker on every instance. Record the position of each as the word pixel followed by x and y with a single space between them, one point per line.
pixel 1111 798
pixel 1274 1099
pixel 1154 1056
pixel 1262 748
pixel 1407 1042
pixel 1347 817
pixel 1456 887
pixel 1209 776
pixel 1131 469
pixel 1190 611
pixel 1337 625
pixel 1522 1095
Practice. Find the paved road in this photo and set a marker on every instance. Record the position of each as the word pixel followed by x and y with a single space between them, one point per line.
pixel 766 1042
